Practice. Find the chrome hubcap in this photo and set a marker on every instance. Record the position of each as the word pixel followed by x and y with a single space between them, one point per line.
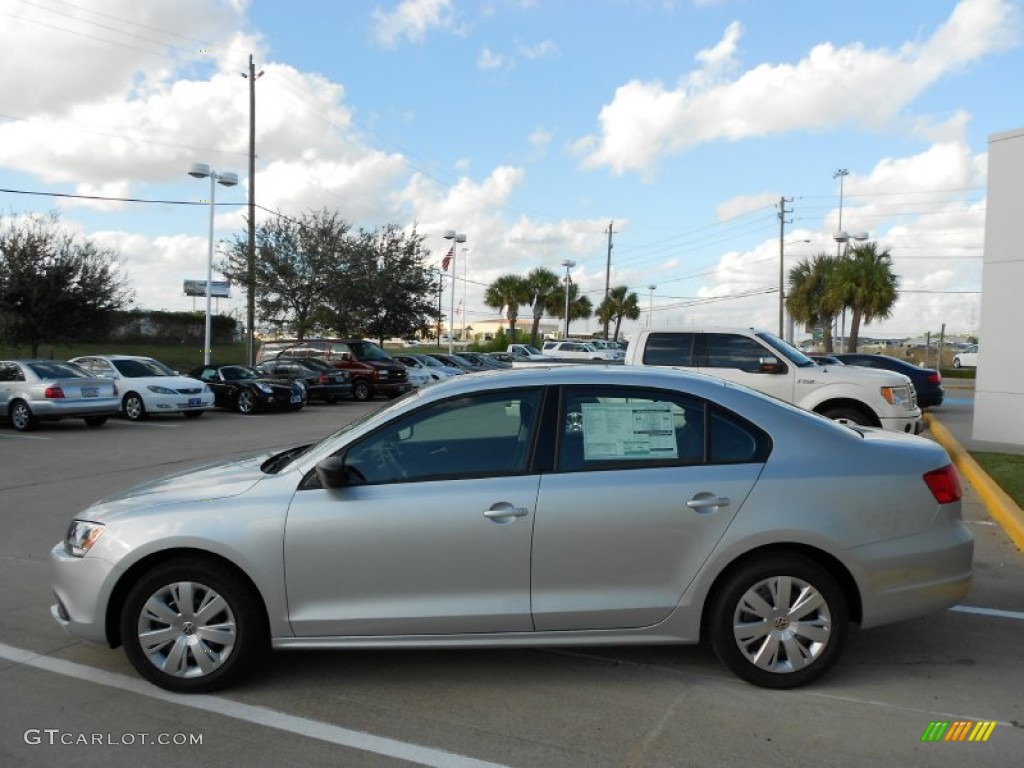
pixel 187 630
pixel 782 624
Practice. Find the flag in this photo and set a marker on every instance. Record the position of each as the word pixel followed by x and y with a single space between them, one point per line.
pixel 448 258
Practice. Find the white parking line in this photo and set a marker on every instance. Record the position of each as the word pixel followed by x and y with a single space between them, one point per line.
pixel 23 437
pixel 1019 615
pixel 268 718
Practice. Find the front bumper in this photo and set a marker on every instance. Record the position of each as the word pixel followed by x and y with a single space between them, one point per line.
pixel 82 587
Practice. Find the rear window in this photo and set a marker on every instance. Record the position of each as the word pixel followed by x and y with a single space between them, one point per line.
pixel 669 349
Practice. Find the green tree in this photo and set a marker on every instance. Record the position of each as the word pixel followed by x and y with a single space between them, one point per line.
pixel 508 292
pixel 618 304
pixel 866 285
pixel 812 296
pixel 580 307
pixel 296 265
pixel 543 282
pixel 54 286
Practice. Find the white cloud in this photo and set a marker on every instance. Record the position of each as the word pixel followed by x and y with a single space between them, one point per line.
pixel 412 20
pixel 488 59
pixel 647 121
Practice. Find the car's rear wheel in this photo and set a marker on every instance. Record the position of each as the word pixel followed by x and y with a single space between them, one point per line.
pixel 956 362
pixel 190 626
pixel 21 416
pixel 361 390
pixel 95 421
pixel 246 402
pixel 133 407
pixel 779 621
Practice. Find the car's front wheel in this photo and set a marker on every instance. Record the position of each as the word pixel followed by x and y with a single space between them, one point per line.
pixel 361 390
pixel 779 621
pixel 246 402
pixel 956 362
pixel 133 407
pixel 848 414
pixel 95 421
pixel 190 626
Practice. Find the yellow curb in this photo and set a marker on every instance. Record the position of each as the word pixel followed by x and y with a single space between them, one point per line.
pixel 999 504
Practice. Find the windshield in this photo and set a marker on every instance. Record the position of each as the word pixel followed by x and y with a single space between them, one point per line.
pixel 531 350
pixel 238 373
pixel 55 370
pixel 788 351
pixel 430 362
pixel 145 366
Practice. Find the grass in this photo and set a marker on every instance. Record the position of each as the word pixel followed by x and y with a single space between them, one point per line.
pixel 1007 470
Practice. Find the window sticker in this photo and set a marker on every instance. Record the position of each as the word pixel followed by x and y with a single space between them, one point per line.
pixel 628 431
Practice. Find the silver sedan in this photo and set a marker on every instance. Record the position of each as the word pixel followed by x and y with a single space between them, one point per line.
pixel 48 390
pixel 573 505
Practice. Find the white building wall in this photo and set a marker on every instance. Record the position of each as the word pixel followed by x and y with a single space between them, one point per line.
pixel 999 389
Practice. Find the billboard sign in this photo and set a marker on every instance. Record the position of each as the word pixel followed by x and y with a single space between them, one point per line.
pixel 219 289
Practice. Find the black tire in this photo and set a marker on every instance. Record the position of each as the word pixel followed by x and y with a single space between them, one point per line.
pixel 361 390
pixel 134 408
pixel 797 645
pixel 245 403
pixel 95 421
pixel 848 413
pixel 21 416
pixel 216 648
pixel 956 362
pixel 193 414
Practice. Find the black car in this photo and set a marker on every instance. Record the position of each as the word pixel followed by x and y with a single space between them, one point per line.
pixel 927 381
pixel 484 360
pixel 246 390
pixel 457 361
pixel 322 380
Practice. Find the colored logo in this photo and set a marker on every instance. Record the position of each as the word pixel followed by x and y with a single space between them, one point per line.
pixel 958 730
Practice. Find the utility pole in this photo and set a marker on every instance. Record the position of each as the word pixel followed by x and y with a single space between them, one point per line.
pixel 608 272
pixel 782 262
pixel 250 278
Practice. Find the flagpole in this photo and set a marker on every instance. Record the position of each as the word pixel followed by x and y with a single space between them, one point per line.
pixel 465 266
pixel 456 238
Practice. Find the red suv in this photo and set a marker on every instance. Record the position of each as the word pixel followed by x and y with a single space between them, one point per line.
pixel 373 371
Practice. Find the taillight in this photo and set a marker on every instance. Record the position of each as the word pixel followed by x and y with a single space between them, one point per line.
pixel 944 484
pixel 324 379
pixel 53 393
pixel 935 378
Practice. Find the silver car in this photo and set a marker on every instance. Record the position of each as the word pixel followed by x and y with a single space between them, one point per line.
pixel 572 505
pixel 48 390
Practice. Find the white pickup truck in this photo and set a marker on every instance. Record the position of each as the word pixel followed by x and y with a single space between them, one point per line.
pixel 527 352
pixel 763 361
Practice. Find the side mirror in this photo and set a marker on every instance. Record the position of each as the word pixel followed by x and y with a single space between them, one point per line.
pixel 770 365
pixel 332 473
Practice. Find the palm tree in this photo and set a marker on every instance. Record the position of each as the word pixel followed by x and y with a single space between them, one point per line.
pixel 580 307
pixel 616 305
pixel 812 296
pixel 542 283
pixel 867 286
pixel 508 292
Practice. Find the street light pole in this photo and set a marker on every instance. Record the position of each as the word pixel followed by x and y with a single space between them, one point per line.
pixel 456 238
pixel 202 171
pixel 650 305
pixel 568 264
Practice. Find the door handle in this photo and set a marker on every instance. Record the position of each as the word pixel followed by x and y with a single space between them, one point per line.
pixel 505 513
pixel 707 502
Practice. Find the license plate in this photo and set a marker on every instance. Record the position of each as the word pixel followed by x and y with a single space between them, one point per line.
pixel 90 391
pixel 296 398
pixel 195 402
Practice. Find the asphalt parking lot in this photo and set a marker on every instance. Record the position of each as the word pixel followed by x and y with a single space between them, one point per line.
pixel 67 703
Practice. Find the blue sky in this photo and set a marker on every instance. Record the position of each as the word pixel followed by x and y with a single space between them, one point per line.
pixel 530 126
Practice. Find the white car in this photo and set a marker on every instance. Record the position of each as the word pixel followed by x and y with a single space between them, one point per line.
pixel 147 386
pixel 579 350
pixel 418 375
pixel 968 358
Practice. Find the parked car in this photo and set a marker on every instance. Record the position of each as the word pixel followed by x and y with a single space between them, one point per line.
pixel 762 361
pixel 456 361
pixel 147 386
pixel 246 390
pixel 927 381
pixel 578 350
pixel 502 510
pixel 527 352
pixel 373 371
pixel 436 367
pixel 967 358
pixel 484 360
pixel 48 390
pixel 322 380
pixel 418 375
pixel 822 359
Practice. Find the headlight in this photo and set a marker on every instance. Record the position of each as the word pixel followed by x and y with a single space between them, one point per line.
pixel 897 396
pixel 265 388
pixel 82 534
pixel 160 390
